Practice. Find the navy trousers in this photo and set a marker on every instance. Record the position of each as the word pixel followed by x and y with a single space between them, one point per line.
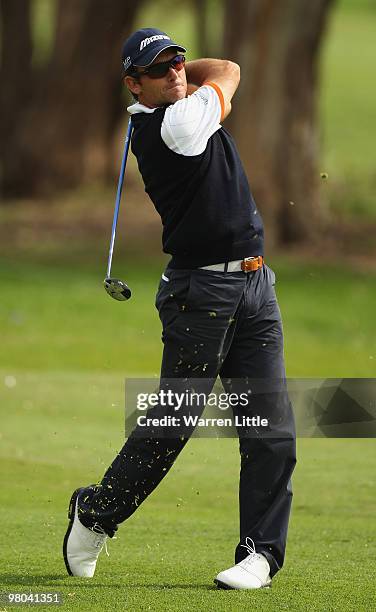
pixel 225 324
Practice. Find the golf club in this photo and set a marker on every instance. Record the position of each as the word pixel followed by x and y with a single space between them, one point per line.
pixel 115 287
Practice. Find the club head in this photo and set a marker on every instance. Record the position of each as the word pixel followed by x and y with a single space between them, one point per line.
pixel 117 289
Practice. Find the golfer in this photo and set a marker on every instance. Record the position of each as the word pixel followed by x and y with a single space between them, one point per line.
pixel 218 308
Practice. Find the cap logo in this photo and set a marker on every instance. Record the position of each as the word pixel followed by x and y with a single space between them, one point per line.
pixel 151 39
pixel 127 62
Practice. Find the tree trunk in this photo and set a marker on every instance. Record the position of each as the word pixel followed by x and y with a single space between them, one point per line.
pixel 276 43
pixel 200 9
pixel 208 20
pixel 65 135
pixel 15 75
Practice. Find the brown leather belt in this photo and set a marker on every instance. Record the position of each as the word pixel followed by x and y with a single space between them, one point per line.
pixel 249 264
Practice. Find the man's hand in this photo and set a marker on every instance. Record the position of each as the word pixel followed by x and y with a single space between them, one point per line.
pixel 223 73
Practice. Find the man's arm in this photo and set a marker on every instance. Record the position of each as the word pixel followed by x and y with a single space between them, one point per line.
pixel 223 73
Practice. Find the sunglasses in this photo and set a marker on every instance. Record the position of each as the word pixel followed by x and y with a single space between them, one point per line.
pixel 157 71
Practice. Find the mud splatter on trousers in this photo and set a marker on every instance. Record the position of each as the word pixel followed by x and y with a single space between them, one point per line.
pixel 227 325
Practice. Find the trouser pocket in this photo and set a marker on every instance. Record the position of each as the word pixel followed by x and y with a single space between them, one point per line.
pixel 173 291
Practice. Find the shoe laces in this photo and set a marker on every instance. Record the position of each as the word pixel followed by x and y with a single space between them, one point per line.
pixel 102 537
pixel 251 549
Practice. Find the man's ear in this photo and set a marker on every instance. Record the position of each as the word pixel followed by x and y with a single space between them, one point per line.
pixel 133 85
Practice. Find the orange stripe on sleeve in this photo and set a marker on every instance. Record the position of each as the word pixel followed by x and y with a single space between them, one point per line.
pixel 220 96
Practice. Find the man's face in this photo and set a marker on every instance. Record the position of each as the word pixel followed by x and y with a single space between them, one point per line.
pixel 162 91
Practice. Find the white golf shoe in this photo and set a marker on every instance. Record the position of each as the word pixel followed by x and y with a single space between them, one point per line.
pixel 251 573
pixel 82 546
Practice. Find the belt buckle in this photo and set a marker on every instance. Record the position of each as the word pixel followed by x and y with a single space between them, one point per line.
pixel 251 264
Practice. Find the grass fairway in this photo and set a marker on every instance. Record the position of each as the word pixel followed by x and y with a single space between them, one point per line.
pixel 59 318
pixel 66 349
pixel 62 431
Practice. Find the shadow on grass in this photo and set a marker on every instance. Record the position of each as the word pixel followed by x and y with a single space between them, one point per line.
pixel 57 580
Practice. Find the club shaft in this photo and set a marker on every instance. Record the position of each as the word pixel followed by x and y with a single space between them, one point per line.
pixel 118 195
